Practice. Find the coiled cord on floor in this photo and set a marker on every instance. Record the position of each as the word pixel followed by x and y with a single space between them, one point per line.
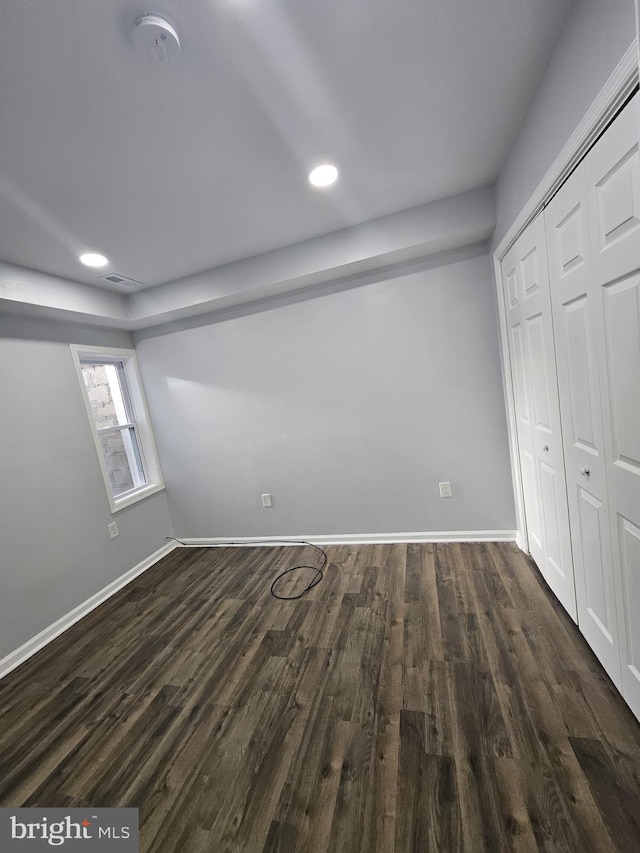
pixel 317 569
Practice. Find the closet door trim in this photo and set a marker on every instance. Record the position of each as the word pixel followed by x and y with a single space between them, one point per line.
pixel 610 100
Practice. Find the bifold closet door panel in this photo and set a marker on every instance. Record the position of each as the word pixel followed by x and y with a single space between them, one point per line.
pixel 520 371
pixel 575 321
pixel 613 179
pixel 528 305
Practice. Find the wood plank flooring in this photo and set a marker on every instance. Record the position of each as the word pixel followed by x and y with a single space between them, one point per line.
pixel 420 698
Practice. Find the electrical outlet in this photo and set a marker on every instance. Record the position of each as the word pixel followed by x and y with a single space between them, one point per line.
pixel 113 530
pixel 445 490
pixel 266 500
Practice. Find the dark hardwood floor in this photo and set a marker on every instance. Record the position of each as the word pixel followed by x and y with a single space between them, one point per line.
pixel 421 698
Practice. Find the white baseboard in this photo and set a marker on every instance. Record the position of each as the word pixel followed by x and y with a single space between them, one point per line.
pixel 20 655
pixel 28 649
pixel 357 538
pixel 520 542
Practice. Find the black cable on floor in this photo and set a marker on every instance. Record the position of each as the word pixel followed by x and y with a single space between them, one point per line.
pixel 318 570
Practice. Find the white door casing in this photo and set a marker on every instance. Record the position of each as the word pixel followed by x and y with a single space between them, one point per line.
pixel 575 319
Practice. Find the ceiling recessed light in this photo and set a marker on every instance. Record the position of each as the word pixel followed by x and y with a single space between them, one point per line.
pixel 91 259
pixel 323 176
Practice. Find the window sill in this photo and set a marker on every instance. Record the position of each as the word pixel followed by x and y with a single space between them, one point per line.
pixel 133 497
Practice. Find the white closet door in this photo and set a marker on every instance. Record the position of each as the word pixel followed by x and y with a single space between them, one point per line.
pixel 520 370
pixel 528 307
pixel 575 319
pixel 613 177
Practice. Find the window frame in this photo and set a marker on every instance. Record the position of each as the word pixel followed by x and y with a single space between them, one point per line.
pixel 133 395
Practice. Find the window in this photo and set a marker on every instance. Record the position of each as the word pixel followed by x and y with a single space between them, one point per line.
pixel 120 423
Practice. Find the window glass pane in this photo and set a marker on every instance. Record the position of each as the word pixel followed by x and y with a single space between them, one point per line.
pixel 112 393
pixel 102 382
pixel 122 460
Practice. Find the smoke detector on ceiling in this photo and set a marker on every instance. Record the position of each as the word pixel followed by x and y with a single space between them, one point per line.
pixel 155 38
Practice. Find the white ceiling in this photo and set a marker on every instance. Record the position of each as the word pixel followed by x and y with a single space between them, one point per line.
pixel 170 170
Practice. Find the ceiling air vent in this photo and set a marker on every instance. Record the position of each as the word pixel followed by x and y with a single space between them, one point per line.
pixel 122 280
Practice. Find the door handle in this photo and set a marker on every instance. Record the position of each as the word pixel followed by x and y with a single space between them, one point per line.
pixel 585 472
pixel 545 447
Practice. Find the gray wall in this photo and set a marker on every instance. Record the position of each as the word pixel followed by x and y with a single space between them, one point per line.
pixel 54 511
pixel 348 408
pixel 593 39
